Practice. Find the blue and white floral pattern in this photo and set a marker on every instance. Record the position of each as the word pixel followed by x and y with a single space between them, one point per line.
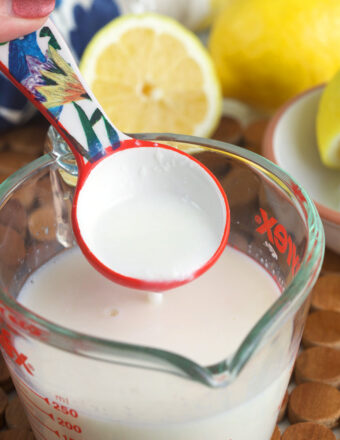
pixel 78 21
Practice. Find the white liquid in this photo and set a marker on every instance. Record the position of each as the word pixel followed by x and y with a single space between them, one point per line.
pixel 204 321
pixel 152 214
pixel 154 238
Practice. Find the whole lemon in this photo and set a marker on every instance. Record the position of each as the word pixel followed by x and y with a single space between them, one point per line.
pixel 267 51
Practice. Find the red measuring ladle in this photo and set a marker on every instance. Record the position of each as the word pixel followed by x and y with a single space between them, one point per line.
pixel 114 168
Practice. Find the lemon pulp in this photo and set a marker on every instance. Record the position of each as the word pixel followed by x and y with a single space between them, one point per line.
pixel 151 74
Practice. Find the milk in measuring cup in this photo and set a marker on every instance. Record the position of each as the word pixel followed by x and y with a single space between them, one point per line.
pixel 77 398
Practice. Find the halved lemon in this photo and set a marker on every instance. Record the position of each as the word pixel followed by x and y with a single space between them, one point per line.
pixel 328 124
pixel 151 74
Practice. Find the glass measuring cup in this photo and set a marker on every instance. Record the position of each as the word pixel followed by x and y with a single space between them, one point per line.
pixel 73 385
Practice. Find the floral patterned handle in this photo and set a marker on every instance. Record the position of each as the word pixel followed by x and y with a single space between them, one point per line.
pixel 43 68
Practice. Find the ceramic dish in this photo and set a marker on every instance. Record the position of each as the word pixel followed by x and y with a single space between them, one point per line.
pixel 290 142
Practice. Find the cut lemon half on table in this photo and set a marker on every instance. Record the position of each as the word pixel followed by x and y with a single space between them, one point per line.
pixel 151 74
pixel 328 124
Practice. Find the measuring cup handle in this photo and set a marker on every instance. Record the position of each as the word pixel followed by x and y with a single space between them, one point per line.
pixel 42 67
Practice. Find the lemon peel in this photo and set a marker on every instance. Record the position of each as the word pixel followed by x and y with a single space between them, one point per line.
pixel 267 52
pixel 328 124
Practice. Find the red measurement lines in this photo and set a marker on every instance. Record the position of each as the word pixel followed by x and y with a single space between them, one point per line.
pixel 41 410
pixel 37 432
pixel 30 402
pixel 37 419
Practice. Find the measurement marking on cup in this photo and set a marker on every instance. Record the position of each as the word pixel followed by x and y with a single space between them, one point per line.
pixel 28 405
pixel 24 388
pixel 42 423
pixel 31 408
pixel 62 399
pixel 22 385
pixel 37 434
pixel 35 405
pixel 62 408
pixel 57 407
pixel 37 431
